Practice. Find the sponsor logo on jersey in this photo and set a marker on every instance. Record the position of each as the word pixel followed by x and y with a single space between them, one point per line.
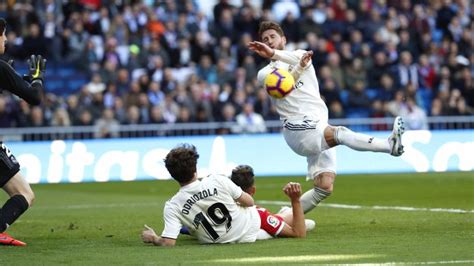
pixel 273 221
pixel 299 84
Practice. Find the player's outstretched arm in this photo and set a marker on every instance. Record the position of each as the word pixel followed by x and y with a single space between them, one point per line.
pixel 149 236
pixel 298 229
pixel 13 82
pixel 261 49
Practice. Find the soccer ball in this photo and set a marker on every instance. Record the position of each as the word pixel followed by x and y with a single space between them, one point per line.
pixel 279 83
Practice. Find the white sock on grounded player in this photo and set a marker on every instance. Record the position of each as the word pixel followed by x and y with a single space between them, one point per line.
pixel 361 142
pixel 311 198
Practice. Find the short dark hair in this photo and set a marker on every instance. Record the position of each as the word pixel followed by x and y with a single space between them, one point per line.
pixel 269 25
pixel 181 162
pixel 243 177
pixel 3 25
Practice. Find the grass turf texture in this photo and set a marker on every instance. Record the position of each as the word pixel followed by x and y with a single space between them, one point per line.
pixel 100 223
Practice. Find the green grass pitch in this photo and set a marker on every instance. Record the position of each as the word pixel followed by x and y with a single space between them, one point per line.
pixel 100 223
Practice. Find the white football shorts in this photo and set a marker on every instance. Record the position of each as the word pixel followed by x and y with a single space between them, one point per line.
pixel 306 138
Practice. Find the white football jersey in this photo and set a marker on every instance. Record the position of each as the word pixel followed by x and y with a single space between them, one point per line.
pixel 305 100
pixel 208 209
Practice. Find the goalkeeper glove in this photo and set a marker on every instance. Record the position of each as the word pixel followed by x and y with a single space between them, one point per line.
pixel 37 67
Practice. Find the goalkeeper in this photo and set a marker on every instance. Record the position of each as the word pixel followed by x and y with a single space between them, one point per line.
pixel 12 182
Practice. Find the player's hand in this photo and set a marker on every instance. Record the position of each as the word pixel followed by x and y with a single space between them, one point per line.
pixel 148 234
pixel 261 49
pixel 306 58
pixel 37 67
pixel 293 190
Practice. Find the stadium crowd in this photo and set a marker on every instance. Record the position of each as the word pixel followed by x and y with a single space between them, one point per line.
pixel 173 62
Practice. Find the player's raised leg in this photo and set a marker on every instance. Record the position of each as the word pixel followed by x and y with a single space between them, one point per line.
pixel 362 142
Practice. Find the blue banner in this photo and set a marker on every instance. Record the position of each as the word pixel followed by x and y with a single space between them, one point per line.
pixel 142 159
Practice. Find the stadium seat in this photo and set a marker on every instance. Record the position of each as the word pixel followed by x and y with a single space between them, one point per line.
pixel 372 94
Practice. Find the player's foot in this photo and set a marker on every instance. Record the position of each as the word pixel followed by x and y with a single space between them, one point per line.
pixel 6 239
pixel 395 138
pixel 310 224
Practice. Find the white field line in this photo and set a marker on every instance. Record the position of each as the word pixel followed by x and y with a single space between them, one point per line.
pixel 100 205
pixel 301 258
pixel 345 206
pixel 330 257
pixel 261 202
pixel 418 262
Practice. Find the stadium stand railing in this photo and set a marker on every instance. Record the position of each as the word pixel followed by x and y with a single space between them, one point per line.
pixel 211 128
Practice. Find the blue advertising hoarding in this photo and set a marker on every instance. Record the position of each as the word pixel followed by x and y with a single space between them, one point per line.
pixel 142 158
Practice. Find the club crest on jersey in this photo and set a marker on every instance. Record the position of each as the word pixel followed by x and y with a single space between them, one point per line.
pixel 271 220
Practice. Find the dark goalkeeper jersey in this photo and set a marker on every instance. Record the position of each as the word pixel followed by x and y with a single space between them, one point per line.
pixel 11 81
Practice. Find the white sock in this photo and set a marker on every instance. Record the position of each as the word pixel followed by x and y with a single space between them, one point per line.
pixel 311 198
pixel 361 142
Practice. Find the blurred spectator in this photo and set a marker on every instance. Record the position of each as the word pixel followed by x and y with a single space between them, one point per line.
pixel 378 111
pixel 61 118
pixel 34 43
pixel 395 106
pixel 379 68
pixel 330 92
pixel 37 117
pixel 249 121
pixel 357 96
pixel 414 116
pixel 387 89
pixel 407 71
pixel 107 126
pixel 336 69
pixel 133 115
pixel 426 72
pixel 355 72
pixel 336 110
pixel 85 118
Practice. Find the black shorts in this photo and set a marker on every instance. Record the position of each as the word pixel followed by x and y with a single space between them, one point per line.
pixel 9 166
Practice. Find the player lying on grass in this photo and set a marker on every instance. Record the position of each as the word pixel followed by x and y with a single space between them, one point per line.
pixel 278 224
pixel 305 116
pixel 11 181
pixel 214 209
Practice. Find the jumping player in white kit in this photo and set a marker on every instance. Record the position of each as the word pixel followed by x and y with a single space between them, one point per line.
pixel 214 209
pixel 305 116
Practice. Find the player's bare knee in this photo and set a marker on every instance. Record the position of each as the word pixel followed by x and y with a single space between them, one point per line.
pixel 330 136
pixel 30 197
pixel 326 181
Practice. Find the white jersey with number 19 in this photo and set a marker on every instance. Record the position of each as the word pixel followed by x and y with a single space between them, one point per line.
pixel 208 209
pixel 305 101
